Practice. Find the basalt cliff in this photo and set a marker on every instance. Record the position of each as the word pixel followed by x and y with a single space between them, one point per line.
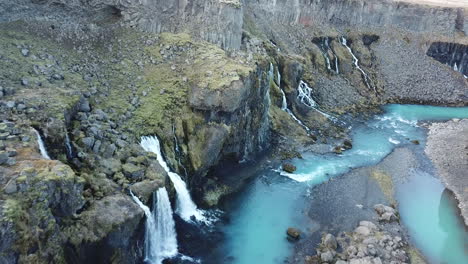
pixel 219 82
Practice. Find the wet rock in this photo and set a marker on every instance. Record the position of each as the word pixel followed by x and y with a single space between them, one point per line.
pixel 347 144
pixel 288 167
pixel 416 142
pixel 338 150
pixel 145 189
pixel 293 234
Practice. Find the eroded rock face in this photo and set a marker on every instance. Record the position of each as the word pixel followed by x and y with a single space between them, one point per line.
pixel 364 14
pixel 217 21
pixel 453 54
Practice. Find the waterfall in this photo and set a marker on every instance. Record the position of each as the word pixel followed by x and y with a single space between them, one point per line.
pixel 42 148
pixel 284 103
pixel 337 69
pixel 305 97
pixel 160 234
pixel 356 64
pixel 186 208
pixel 68 146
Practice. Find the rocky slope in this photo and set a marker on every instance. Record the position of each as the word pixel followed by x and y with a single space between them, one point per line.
pixel 207 78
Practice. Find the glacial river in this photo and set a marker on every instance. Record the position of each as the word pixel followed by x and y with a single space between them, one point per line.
pixel 260 215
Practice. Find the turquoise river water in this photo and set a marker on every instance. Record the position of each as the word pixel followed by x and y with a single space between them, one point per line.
pixel 274 202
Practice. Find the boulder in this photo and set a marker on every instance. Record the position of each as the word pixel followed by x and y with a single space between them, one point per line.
pixel 362 230
pixel 293 234
pixel 84 105
pixel 3 157
pixel 347 144
pixel 327 256
pixel 288 167
pixel 132 171
pixel 329 241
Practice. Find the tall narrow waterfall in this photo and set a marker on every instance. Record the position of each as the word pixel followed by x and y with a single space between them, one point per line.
pixel 356 64
pixel 42 148
pixel 160 234
pixel 68 146
pixel 186 208
pixel 304 94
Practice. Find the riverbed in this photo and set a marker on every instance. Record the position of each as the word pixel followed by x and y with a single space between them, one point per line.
pixel 260 214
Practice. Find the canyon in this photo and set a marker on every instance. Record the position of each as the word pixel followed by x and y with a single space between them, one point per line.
pixel 226 87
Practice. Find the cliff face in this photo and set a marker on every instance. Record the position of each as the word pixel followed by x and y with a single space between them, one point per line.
pixel 364 15
pixel 217 21
pixel 95 76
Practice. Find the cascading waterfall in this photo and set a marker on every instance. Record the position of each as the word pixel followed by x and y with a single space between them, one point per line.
pixel 324 45
pixel 305 97
pixel 325 53
pixel 186 208
pixel 160 234
pixel 284 102
pixel 42 148
pixel 367 80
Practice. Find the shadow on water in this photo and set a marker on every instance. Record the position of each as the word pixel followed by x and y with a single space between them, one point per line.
pixel 433 219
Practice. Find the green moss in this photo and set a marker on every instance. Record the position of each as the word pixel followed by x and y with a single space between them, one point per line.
pixel 53 95
pixel 167 84
pixel 13 210
pixel 415 256
pixel 385 183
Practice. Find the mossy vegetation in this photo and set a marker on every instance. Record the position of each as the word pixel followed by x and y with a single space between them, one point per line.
pixel 385 183
pixel 29 64
pixel 182 63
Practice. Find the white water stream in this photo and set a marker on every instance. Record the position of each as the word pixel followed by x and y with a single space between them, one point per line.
pixel 186 208
pixel 160 234
pixel 356 64
pixel 42 147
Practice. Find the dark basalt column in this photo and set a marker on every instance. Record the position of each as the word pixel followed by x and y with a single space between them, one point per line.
pixel 451 54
